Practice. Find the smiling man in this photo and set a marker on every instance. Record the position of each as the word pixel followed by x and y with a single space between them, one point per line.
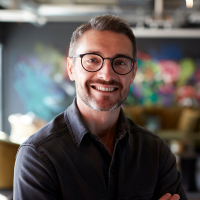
pixel 91 151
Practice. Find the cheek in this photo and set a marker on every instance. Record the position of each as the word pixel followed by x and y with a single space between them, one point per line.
pixel 82 77
pixel 126 81
pixel 79 73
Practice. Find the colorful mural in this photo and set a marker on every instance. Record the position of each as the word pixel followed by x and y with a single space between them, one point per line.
pixel 166 82
pixel 42 82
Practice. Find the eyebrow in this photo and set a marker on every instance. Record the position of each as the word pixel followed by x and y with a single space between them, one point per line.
pixel 116 55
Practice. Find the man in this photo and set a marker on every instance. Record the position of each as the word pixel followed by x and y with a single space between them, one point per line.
pixel 91 151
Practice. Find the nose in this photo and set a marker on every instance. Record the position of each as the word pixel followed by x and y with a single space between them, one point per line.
pixel 106 72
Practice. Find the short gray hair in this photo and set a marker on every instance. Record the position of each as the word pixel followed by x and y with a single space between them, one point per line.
pixel 102 23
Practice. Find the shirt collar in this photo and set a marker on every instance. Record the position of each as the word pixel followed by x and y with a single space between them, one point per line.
pixel 78 128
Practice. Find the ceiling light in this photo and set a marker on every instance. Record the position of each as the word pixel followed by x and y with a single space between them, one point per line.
pixel 17 16
pixel 189 3
pixel 66 10
pixel 21 16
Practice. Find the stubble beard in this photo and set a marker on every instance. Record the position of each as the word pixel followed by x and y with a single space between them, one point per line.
pixel 90 100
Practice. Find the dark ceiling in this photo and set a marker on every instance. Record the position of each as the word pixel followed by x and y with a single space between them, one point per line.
pixel 139 13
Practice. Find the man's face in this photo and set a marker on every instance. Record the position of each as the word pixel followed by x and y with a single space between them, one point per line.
pixel 103 90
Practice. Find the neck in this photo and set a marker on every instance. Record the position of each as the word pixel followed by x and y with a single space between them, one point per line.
pixel 101 123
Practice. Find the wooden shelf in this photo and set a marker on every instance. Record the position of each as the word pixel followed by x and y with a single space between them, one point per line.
pixel 178 135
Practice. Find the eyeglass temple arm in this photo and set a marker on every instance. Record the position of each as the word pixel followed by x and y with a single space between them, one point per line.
pixel 75 56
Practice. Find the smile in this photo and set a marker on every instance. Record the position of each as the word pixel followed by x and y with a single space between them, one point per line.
pixel 104 89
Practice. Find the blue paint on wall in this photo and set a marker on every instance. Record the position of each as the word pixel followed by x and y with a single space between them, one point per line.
pixel 167 51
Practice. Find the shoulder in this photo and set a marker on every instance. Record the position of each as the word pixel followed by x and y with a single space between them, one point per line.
pixel 135 128
pixel 44 146
pixel 148 138
pixel 51 131
pixel 150 144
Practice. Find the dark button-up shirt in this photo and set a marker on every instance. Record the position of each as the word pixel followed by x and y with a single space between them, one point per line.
pixel 65 161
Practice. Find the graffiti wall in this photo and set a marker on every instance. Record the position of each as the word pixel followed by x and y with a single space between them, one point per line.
pixel 166 77
pixel 42 83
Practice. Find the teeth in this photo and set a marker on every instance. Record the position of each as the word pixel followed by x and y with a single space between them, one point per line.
pixel 105 89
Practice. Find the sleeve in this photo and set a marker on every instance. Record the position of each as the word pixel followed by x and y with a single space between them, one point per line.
pixel 33 176
pixel 169 178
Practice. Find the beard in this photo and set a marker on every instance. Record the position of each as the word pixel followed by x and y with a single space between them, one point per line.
pixel 106 103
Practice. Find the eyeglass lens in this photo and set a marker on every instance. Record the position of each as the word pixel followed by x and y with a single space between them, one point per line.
pixel 92 63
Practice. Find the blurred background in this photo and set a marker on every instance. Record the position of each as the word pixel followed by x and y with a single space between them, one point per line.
pixel 165 96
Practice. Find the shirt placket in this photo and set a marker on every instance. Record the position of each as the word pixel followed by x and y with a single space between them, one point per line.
pixel 113 170
pixel 113 180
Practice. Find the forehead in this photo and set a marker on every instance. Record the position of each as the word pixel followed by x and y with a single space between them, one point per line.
pixel 108 43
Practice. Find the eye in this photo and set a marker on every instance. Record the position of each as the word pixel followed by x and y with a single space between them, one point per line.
pixel 92 60
pixel 120 62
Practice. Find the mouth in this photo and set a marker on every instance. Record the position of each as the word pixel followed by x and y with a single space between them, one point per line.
pixel 104 88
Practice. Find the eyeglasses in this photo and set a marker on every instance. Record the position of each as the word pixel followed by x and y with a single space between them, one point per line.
pixel 92 62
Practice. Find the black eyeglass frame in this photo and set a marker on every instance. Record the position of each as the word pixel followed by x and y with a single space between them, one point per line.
pixel 111 59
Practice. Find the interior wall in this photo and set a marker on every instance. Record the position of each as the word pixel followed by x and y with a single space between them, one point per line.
pixel 20 38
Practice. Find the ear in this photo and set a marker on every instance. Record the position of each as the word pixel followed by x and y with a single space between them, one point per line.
pixel 134 71
pixel 70 68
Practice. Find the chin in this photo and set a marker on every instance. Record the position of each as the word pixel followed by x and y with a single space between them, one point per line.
pixel 97 107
